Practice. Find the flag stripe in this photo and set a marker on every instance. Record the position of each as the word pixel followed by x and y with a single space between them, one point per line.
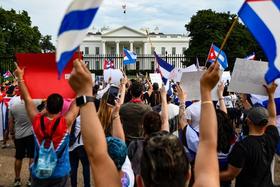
pixel 73 29
pixel 68 41
pixel 65 57
pixel 267 18
pixel 261 31
pixel 73 21
pixel 83 5
pixel 277 3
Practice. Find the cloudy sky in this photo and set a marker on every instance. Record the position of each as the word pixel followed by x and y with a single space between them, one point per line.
pixel 169 15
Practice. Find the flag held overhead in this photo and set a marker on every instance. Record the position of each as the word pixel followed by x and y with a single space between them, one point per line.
pixel 262 19
pixel 129 57
pixel 73 29
pixel 222 59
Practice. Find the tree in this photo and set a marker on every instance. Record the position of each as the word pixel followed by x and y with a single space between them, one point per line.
pixel 46 44
pixel 17 35
pixel 207 27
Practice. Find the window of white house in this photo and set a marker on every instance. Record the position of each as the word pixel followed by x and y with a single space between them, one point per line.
pixel 163 50
pixel 97 50
pixel 173 50
pixel 86 50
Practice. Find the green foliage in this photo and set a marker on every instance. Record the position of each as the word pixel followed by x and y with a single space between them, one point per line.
pixel 17 35
pixel 46 44
pixel 208 27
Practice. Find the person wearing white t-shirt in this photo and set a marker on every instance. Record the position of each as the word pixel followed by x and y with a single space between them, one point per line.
pixel 77 153
pixel 193 115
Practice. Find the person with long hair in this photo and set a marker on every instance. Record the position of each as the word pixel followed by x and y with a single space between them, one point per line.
pixel 109 115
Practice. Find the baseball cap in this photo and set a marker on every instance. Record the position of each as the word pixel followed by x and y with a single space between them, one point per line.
pixel 258 115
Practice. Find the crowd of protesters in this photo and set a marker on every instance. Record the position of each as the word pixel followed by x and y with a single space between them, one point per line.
pixel 141 134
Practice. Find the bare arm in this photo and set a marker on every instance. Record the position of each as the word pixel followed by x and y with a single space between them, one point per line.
pixel 182 107
pixel 117 129
pixel 271 103
pixel 104 170
pixel 164 110
pixel 206 167
pixel 123 89
pixel 29 105
pixel 71 114
pixel 220 91
pixel 230 173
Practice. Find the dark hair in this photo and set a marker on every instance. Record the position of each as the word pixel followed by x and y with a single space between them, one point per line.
pixel 155 98
pixel 155 86
pixel 136 89
pixel 151 122
pixel 164 162
pixel 225 132
pixel 54 103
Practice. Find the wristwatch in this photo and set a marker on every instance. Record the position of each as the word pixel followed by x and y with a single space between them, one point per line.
pixel 82 100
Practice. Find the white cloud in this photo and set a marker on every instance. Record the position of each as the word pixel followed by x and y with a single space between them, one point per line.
pixel 169 16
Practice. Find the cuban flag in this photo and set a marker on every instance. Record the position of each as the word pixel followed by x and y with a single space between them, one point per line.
pixel 262 19
pixel 129 57
pixel 251 57
pixel 7 74
pixel 222 59
pixel 73 29
pixel 263 100
pixel 165 70
pixel 108 64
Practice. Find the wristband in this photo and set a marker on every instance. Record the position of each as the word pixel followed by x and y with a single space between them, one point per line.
pixel 206 102
pixel 222 98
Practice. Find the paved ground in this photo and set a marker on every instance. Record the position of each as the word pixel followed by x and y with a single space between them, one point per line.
pixel 7 169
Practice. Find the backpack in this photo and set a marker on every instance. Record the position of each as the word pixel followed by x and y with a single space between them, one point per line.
pixel 47 157
pixel 182 136
pixel 135 150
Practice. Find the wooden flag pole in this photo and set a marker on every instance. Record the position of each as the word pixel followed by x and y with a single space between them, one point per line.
pixel 227 36
pixel 150 41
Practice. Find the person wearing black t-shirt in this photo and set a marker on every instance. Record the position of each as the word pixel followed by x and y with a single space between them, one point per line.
pixel 251 158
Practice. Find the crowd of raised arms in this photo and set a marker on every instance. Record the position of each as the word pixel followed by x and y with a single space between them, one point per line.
pixel 140 134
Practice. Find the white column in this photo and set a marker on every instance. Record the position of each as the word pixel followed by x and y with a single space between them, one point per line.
pixel 131 46
pixel 117 47
pixel 103 47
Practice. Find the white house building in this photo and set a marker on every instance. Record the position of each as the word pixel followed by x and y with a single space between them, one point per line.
pixel 110 43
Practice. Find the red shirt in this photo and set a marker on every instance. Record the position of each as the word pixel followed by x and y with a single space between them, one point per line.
pixel 59 135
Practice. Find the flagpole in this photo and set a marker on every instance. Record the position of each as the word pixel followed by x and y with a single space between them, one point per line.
pixel 227 36
pixel 150 41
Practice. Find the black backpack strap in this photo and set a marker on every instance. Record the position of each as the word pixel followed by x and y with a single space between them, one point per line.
pixel 43 128
pixel 56 123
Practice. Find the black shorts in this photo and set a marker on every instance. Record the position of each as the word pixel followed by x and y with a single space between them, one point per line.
pixel 25 147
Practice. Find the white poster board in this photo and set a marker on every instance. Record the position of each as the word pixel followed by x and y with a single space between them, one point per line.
pixel 179 71
pixel 115 74
pixel 226 77
pixel 248 77
pixel 190 83
pixel 156 78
